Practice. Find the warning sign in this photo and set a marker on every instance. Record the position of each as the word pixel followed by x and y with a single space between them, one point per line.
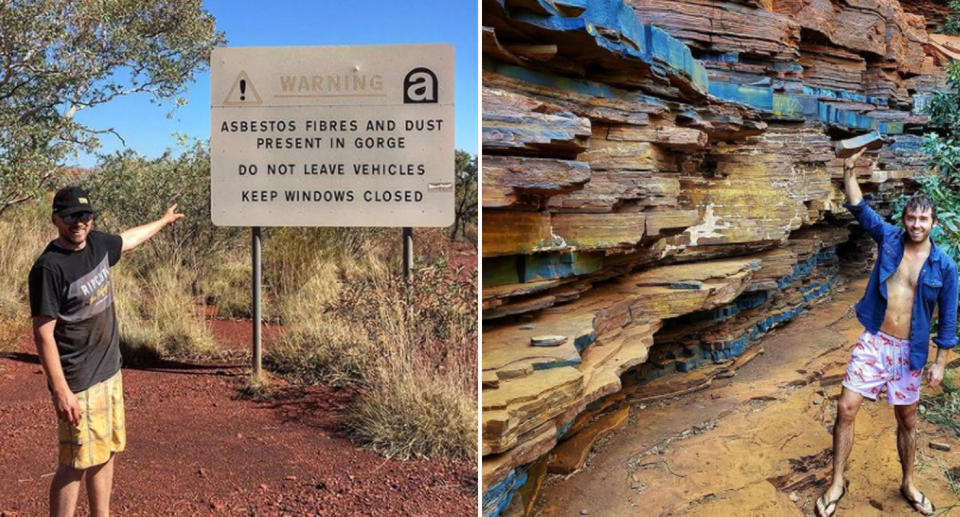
pixel 243 93
pixel 332 136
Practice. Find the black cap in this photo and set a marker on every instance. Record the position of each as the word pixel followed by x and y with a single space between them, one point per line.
pixel 71 200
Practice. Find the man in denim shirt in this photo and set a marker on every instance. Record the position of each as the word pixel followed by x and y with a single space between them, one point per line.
pixel 910 278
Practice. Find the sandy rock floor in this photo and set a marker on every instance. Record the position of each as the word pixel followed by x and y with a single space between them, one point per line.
pixel 759 443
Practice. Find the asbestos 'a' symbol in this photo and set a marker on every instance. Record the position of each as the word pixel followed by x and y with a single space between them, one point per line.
pixel 242 93
pixel 420 86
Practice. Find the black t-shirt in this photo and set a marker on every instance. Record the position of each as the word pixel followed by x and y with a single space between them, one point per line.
pixel 74 287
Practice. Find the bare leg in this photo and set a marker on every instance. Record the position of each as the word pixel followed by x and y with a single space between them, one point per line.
pixel 906 440
pixel 64 490
pixel 907 447
pixel 99 483
pixel 847 406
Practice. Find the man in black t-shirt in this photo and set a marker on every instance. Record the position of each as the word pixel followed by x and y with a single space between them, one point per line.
pixel 75 330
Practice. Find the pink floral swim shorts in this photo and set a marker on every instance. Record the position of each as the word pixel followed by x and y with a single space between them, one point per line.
pixel 881 360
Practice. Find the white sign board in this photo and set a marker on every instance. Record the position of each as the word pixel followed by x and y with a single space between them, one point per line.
pixel 332 136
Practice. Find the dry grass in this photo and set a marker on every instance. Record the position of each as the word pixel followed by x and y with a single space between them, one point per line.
pixel 157 313
pixel 414 415
pixel 257 388
pixel 227 286
pixel 322 341
pixel 319 343
pixel 156 309
pixel 420 405
pixel 349 319
pixel 24 231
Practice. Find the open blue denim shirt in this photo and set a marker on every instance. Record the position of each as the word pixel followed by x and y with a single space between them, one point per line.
pixel 937 284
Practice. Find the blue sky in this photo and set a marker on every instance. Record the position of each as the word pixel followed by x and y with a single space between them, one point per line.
pixel 147 128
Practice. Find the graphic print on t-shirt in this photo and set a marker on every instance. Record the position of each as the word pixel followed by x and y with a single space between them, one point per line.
pixel 89 295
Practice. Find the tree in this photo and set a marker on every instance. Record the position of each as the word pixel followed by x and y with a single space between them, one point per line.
pixel 465 203
pixel 58 57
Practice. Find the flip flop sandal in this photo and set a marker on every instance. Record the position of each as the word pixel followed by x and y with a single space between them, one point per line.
pixel 919 505
pixel 833 503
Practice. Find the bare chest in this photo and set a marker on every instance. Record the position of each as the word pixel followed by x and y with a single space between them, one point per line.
pixel 908 272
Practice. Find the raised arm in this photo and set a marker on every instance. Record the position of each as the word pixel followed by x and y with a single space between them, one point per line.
pixel 850 184
pixel 64 401
pixel 872 223
pixel 137 235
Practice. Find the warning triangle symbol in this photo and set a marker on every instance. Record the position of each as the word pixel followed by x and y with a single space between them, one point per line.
pixel 242 93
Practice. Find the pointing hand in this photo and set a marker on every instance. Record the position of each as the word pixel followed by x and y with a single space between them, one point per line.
pixel 172 216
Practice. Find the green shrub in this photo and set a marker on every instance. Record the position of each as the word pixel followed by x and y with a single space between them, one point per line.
pixel 952 25
pixel 942 182
pixel 157 286
pixel 129 190
pixel 465 202
pixel 942 410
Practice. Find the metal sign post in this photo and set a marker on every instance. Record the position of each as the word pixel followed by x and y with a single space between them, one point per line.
pixel 407 253
pixel 256 246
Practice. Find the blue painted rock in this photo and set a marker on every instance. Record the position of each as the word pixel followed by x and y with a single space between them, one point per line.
pixel 849 147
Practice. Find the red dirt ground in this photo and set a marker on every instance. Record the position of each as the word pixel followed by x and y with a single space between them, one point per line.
pixel 196 447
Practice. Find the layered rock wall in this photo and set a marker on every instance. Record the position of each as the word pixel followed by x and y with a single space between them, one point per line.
pixel 660 188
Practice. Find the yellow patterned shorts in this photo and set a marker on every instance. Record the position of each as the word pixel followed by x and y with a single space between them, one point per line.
pixel 101 431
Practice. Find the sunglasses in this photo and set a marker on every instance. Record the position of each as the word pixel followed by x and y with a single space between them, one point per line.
pixel 83 217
